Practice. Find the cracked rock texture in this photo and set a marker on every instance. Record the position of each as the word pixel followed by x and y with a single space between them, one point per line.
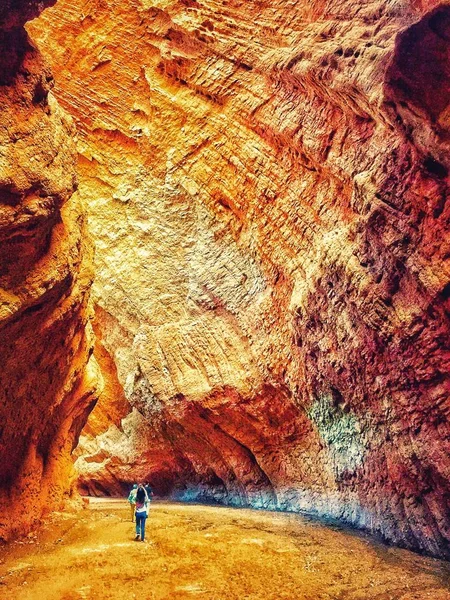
pixel 267 186
pixel 47 385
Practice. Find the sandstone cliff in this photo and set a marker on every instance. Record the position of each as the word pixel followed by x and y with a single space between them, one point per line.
pixel 46 389
pixel 267 187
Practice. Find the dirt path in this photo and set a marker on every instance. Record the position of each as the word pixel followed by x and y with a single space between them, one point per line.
pixel 211 553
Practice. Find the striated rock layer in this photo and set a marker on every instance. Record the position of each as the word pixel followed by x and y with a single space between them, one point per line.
pixel 267 185
pixel 47 384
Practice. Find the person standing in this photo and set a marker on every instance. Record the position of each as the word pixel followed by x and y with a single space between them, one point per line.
pixel 141 512
pixel 149 491
pixel 132 500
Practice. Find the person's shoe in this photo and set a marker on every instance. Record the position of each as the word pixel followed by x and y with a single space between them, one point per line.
pixel 145 541
pixel 137 538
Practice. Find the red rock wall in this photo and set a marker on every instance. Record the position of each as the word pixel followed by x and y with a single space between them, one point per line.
pixel 267 186
pixel 46 389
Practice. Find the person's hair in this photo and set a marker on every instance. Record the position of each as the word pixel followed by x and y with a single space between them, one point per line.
pixel 140 496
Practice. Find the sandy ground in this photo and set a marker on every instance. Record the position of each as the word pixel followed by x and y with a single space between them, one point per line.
pixel 210 553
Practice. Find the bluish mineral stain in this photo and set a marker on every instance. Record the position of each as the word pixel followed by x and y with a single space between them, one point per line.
pixel 341 432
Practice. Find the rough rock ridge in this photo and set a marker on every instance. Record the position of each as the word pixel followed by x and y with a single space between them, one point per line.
pixel 267 184
pixel 47 385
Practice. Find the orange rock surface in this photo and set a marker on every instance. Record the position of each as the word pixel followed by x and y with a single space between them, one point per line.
pixel 47 385
pixel 267 186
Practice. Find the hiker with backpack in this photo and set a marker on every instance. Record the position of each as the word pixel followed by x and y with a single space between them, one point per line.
pixel 132 500
pixel 142 501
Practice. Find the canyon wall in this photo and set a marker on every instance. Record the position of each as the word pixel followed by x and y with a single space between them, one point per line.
pixel 267 187
pixel 47 382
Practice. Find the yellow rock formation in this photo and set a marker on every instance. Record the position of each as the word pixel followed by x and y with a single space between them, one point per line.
pixel 266 187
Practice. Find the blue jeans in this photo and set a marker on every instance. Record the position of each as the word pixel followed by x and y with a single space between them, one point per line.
pixel 140 524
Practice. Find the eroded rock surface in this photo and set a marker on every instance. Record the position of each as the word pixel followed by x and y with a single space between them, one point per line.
pixel 47 386
pixel 267 185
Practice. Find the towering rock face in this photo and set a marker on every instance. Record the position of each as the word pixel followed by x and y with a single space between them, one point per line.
pixel 46 389
pixel 267 185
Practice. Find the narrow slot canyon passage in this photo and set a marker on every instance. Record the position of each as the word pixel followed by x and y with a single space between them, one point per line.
pixel 225 271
